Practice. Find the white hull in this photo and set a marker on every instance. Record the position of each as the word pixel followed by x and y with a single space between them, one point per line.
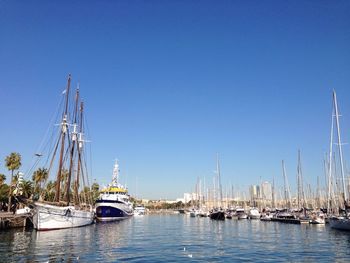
pixel 50 217
pixel 340 223
pixel 254 214
pixel 140 211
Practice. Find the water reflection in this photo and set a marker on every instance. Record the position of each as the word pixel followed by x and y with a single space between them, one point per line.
pixel 156 238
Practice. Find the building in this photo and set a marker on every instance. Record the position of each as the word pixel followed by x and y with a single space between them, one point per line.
pixel 254 192
pixel 190 196
pixel 266 191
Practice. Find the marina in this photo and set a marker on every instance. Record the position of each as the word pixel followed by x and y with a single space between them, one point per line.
pixel 172 131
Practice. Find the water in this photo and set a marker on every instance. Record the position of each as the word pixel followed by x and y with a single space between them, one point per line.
pixel 177 238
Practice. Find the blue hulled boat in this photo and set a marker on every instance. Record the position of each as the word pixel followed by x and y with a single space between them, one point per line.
pixel 114 202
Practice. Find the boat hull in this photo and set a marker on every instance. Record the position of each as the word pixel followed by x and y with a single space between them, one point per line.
pixel 219 215
pixel 51 217
pixel 110 211
pixel 340 223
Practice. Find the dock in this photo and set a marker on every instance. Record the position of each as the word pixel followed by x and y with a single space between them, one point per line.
pixel 10 220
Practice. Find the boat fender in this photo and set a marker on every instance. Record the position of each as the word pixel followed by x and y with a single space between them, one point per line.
pixel 68 212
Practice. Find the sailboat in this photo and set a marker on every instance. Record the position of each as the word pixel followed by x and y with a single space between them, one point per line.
pixel 336 221
pixel 218 213
pixel 69 208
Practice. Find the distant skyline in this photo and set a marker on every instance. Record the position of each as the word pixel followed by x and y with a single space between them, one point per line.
pixel 168 84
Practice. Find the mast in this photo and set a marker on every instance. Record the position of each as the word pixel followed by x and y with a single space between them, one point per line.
pixel 298 180
pixel 273 193
pixel 64 128
pixel 80 146
pixel 340 146
pixel 330 164
pixel 74 139
pixel 219 179
pixel 115 173
pixel 286 187
pixel 301 193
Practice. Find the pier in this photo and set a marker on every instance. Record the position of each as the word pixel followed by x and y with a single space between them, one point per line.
pixel 10 220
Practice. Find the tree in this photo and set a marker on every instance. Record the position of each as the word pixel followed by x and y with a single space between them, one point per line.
pixel 12 162
pixel 40 176
pixel 64 176
pixel 50 191
pixel 4 190
pixel 2 179
pixel 95 191
pixel 27 188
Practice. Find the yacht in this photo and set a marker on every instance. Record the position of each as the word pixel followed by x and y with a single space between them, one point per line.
pixel 254 213
pixel 114 202
pixel 139 210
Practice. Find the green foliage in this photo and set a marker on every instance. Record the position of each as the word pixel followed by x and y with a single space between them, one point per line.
pixel 2 179
pixel 49 192
pixel 27 188
pixel 95 189
pixel 39 176
pixel 13 161
pixel 163 205
pixel 4 191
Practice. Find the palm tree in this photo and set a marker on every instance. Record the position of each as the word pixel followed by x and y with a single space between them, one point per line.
pixel 50 191
pixel 12 162
pixel 64 176
pixel 40 176
pixel 2 179
pixel 27 188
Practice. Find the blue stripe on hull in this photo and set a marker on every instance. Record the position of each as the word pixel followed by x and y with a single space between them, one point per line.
pixel 110 213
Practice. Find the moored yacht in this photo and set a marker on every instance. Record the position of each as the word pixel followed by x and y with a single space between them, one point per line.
pixel 114 202
pixel 254 213
pixel 139 210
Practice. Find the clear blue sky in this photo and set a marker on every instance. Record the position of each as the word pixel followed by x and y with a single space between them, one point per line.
pixel 168 84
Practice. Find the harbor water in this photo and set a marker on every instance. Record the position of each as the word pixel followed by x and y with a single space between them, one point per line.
pixel 178 238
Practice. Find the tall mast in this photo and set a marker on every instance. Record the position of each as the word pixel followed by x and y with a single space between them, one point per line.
pixel 273 193
pixel 298 180
pixel 286 186
pixel 74 139
pixel 330 163
pixel 80 146
pixel 219 179
pixel 64 128
pixel 340 145
pixel 301 193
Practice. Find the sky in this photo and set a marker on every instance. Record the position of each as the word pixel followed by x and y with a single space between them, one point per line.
pixel 169 84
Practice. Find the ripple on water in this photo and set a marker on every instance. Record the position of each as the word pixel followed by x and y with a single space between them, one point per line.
pixel 176 238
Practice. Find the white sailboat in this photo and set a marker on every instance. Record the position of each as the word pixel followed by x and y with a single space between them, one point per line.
pixel 336 221
pixel 68 209
pixel 218 213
